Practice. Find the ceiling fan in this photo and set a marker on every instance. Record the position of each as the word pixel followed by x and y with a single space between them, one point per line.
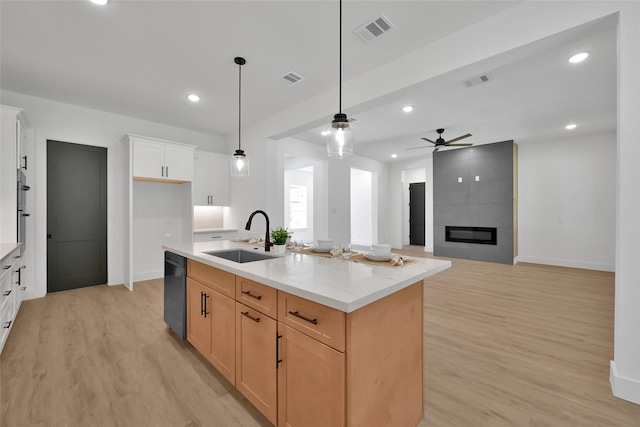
pixel 440 142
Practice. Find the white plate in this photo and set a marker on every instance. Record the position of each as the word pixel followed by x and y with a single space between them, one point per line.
pixel 373 257
pixel 321 250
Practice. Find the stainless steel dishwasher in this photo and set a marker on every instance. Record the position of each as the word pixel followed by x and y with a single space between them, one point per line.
pixel 175 293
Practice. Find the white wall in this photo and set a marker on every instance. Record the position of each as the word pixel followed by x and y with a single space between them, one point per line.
pixel 567 202
pixel 69 123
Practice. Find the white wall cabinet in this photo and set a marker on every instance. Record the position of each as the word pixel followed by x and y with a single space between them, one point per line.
pixel 11 159
pixel 10 298
pixel 211 179
pixel 215 235
pixel 154 160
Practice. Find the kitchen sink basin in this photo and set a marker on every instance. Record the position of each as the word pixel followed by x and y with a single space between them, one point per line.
pixel 240 255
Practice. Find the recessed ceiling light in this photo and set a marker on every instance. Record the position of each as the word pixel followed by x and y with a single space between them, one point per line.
pixel 578 57
pixel 393 156
pixel 193 97
pixel 99 2
pixel 407 109
pixel 571 126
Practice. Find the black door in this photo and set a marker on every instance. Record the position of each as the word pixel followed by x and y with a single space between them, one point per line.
pixel 76 216
pixel 416 213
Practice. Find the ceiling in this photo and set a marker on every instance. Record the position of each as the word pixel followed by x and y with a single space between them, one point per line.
pixel 142 58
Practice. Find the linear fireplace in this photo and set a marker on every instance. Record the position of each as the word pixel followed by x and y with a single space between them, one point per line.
pixel 481 235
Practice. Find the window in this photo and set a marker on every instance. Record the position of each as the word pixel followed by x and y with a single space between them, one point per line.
pixel 297 206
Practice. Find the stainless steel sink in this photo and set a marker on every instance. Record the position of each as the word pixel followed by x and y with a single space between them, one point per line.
pixel 240 255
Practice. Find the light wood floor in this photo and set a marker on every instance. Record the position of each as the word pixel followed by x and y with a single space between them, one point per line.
pixel 504 346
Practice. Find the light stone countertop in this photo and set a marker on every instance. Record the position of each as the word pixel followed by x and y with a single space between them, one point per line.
pixel 340 284
pixel 7 248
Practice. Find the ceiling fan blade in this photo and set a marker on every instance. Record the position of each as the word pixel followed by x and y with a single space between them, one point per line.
pixel 458 145
pixel 428 140
pixel 435 150
pixel 459 138
pixel 416 148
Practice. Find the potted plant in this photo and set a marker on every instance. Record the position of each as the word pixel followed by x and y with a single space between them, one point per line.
pixel 279 237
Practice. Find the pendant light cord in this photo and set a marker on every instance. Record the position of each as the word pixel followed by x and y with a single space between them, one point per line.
pixel 340 65
pixel 239 104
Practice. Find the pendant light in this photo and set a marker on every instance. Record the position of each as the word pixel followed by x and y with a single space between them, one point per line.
pixel 340 132
pixel 239 161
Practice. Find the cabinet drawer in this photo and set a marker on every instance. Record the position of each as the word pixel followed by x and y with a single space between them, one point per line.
pixel 318 321
pixel 257 296
pixel 221 281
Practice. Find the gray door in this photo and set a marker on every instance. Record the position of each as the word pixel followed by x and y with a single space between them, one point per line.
pixel 76 216
pixel 416 213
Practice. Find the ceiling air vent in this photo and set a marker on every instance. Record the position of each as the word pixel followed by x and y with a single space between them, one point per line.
pixel 483 78
pixel 374 28
pixel 292 78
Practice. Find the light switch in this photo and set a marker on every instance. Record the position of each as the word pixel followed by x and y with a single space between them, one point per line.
pixel 459 179
pixel 477 177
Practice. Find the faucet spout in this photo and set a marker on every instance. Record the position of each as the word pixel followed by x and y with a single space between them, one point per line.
pixel 267 242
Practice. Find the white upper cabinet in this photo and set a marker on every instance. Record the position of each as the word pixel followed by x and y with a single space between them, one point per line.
pixel 211 180
pixel 157 160
pixel 12 158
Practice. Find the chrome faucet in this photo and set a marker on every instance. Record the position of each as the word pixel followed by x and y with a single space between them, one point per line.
pixel 267 242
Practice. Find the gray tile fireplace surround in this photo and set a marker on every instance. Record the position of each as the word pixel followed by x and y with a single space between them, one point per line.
pixel 487 202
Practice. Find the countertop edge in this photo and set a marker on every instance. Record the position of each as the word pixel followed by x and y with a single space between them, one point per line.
pixel 6 249
pixel 346 307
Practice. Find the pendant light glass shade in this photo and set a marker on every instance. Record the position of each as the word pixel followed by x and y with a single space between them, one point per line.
pixel 340 132
pixel 340 137
pixel 239 161
pixel 239 164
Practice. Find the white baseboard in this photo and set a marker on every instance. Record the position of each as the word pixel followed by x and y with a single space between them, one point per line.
pixel 565 263
pixel 148 275
pixel 624 388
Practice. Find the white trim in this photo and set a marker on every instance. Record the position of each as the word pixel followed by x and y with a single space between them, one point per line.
pixel 147 275
pixel 566 263
pixel 516 260
pixel 624 388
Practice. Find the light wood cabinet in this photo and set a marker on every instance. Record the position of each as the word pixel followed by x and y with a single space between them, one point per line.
pixel 311 382
pixel 198 324
pixel 256 376
pixel 211 317
pixel 211 179
pixel 156 160
pixel 303 364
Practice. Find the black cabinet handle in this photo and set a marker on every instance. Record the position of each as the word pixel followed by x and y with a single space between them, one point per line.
pixel 300 316
pixel 166 169
pixel 246 313
pixel 249 294
pixel 8 325
pixel 203 304
pixel 6 294
pixel 6 267
pixel 25 162
pixel 278 360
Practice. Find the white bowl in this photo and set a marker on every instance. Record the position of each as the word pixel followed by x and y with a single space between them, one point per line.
pixel 381 249
pixel 325 244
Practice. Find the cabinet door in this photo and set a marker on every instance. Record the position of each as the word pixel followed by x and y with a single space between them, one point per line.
pixel 311 382
pixel 178 163
pixel 223 335
pixel 199 316
pixel 148 160
pixel 202 180
pixel 256 359
pixel 220 181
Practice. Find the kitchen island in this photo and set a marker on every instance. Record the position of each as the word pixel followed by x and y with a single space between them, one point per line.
pixel 311 341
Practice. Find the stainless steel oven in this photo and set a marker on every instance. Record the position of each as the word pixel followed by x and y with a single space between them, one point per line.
pixel 22 206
